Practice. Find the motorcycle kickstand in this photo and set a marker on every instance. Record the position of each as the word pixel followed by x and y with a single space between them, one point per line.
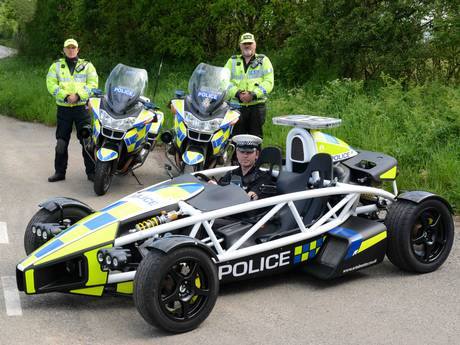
pixel 168 169
pixel 139 182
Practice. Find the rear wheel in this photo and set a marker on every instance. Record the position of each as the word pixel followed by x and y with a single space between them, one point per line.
pixel 102 177
pixel 176 291
pixel 420 236
pixel 32 241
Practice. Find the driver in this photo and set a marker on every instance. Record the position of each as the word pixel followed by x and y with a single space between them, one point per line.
pixel 248 176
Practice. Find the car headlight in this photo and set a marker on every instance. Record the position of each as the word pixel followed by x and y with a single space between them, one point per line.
pixel 116 124
pixel 200 125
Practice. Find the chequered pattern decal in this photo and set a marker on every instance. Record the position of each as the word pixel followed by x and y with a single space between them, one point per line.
pixel 308 250
pixel 181 130
pixel 135 138
pixel 220 138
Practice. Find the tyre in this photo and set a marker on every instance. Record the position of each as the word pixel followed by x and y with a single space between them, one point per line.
pixel 176 291
pixel 420 236
pixel 188 169
pixel 102 177
pixel 31 241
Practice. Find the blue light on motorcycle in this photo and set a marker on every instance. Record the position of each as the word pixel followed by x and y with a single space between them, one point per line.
pixel 96 92
pixel 179 94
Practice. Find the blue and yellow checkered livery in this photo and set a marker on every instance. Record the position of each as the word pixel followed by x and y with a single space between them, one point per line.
pixel 98 231
pixel 179 125
pixel 338 149
pixel 308 250
pixel 220 138
pixel 136 136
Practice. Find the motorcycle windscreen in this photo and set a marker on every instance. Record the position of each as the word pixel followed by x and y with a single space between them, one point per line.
pixel 124 87
pixel 208 87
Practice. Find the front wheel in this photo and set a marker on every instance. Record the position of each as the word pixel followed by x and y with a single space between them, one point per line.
pixel 188 169
pixel 102 177
pixel 32 241
pixel 176 291
pixel 420 236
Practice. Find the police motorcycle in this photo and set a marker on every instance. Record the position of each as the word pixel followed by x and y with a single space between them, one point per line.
pixel 203 122
pixel 125 125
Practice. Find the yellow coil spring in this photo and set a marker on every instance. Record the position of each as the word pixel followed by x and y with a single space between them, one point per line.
pixel 149 223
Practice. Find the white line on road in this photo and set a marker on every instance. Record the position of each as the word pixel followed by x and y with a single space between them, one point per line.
pixel 3 233
pixel 12 301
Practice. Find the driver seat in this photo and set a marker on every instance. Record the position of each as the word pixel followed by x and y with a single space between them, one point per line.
pixel 318 170
pixel 270 157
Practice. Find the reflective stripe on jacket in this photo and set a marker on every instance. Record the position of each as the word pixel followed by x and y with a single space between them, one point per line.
pixel 258 78
pixel 61 83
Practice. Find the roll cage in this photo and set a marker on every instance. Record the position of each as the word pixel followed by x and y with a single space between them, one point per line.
pixel 341 203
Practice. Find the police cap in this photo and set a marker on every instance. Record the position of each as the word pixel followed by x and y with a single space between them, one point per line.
pixel 247 38
pixel 70 42
pixel 247 142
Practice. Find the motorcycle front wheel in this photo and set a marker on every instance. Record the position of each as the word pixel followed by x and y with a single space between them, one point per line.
pixel 102 177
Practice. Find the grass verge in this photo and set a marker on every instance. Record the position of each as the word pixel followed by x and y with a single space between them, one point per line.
pixel 419 126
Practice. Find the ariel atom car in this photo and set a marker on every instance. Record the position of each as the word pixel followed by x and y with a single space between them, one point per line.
pixel 172 244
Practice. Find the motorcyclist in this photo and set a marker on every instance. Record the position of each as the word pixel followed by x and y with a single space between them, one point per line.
pixel 70 81
pixel 251 82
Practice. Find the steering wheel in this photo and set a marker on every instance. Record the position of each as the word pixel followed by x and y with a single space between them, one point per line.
pixel 202 177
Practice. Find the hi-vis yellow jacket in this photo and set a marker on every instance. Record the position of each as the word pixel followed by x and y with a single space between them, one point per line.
pixel 258 77
pixel 61 83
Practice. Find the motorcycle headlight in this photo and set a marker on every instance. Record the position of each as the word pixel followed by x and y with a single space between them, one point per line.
pixel 200 125
pixel 116 124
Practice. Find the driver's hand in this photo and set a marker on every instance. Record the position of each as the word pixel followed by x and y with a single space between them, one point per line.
pixel 212 181
pixel 252 195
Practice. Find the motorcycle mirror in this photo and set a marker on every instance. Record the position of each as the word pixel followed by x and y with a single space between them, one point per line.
pixel 85 132
pixel 234 105
pixel 150 105
pixel 166 137
pixel 96 92
pixel 179 94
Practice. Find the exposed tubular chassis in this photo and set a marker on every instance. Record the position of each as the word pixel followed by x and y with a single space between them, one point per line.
pixel 335 216
pixel 171 245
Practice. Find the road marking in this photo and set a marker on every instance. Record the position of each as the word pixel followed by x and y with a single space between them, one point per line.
pixel 3 233
pixel 12 301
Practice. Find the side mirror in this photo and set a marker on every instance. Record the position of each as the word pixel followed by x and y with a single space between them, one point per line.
pixel 96 92
pixel 234 105
pixel 179 94
pixel 85 131
pixel 147 104
pixel 166 137
pixel 150 106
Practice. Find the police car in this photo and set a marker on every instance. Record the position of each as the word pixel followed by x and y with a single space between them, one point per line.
pixel 172 244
